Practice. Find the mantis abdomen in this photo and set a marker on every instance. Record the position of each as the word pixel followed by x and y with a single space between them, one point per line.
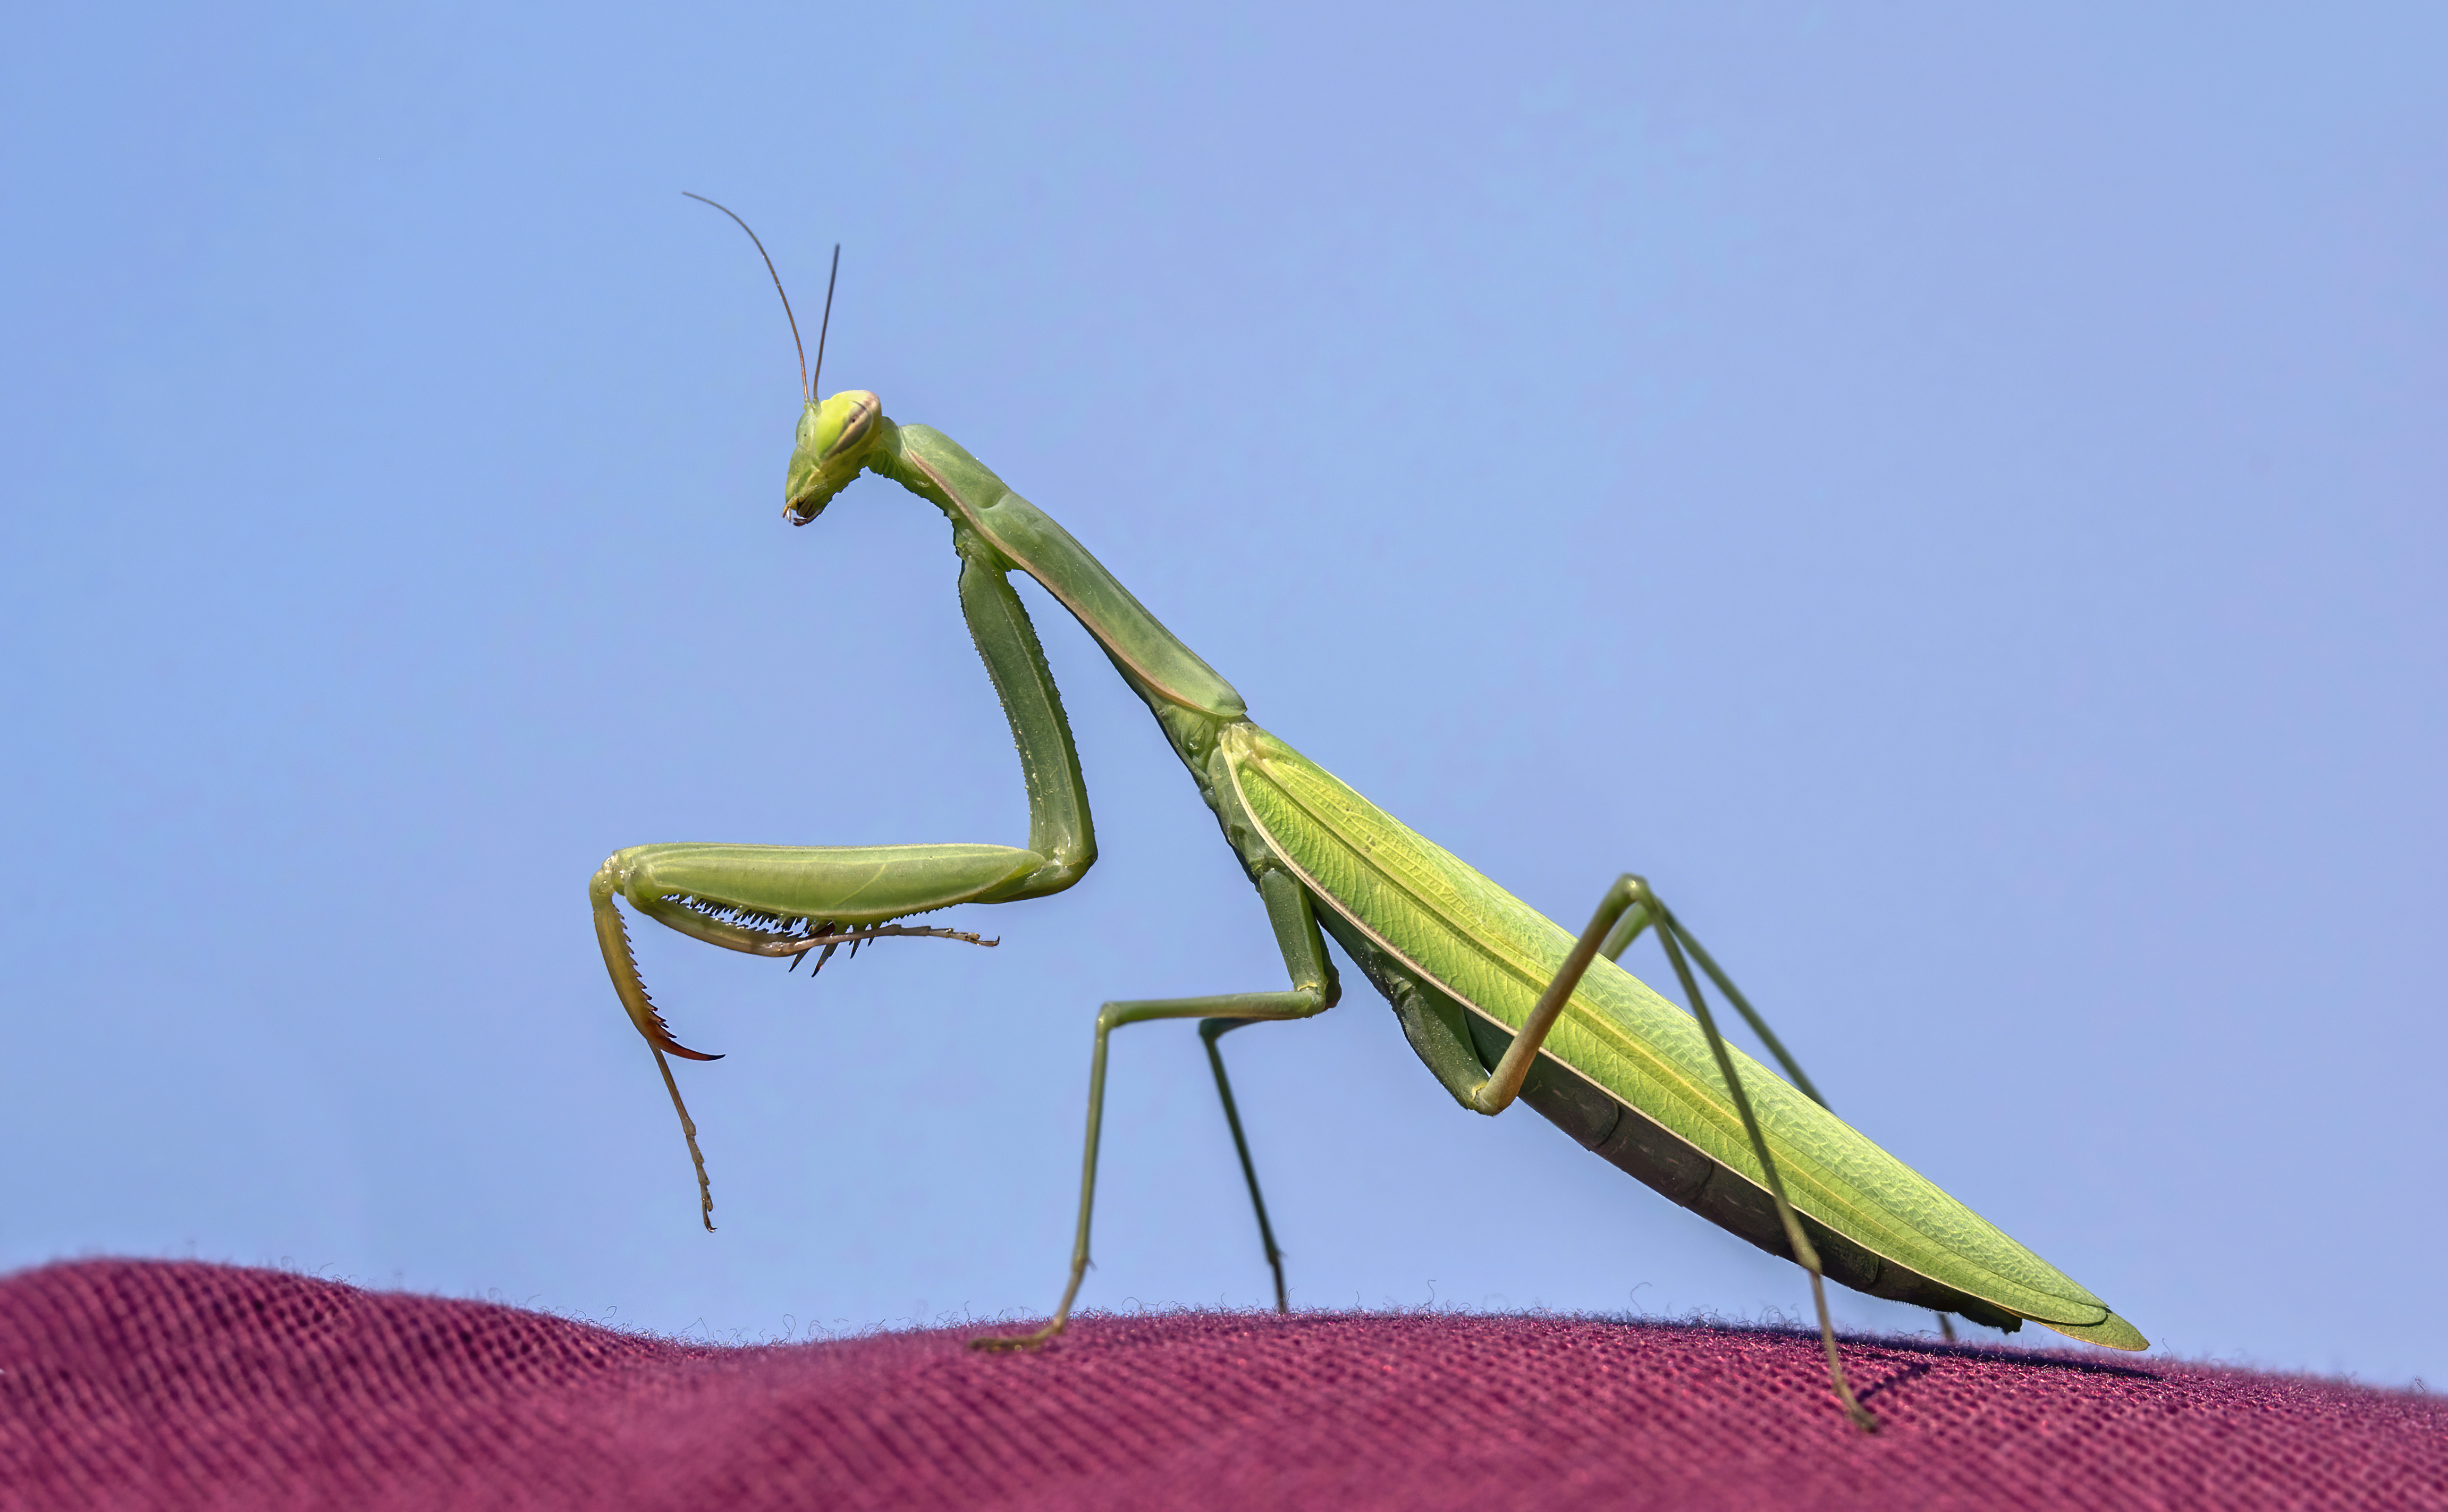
pixel 1628 1075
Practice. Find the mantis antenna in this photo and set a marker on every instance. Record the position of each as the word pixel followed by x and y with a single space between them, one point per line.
pixel 824 325
pixel 807 385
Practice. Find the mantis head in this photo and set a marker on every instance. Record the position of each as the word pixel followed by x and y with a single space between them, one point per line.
pixel 834 435
pixel 834 439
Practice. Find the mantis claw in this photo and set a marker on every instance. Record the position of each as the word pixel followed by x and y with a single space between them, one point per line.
pixel 667 1044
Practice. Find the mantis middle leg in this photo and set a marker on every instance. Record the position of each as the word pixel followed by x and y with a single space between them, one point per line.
pixel 1210 1030
pixel 1314 991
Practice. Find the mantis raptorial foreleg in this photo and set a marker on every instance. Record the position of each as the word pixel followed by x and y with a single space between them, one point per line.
pixel 785 901
pixel 1314 991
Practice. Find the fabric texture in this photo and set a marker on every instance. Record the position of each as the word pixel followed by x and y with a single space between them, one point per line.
pixel 141 1384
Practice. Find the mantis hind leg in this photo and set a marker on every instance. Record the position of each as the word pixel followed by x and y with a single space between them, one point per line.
pixel 1640 916
pixel 1628 908
pixel 1314 991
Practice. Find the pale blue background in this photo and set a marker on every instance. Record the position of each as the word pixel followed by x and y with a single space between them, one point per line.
pixel 1957 500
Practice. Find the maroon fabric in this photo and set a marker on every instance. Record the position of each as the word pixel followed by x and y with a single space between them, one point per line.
pixel 135 1384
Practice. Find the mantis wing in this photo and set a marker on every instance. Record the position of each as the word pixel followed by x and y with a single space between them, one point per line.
pixel 1895 1233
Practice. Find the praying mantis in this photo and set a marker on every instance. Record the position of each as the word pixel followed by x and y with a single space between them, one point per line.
pixel 1499 1004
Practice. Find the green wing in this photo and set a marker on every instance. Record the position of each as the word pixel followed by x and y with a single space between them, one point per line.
pixel 1495 954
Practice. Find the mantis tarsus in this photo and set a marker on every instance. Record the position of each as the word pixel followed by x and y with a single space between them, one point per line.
pixel 1498 1001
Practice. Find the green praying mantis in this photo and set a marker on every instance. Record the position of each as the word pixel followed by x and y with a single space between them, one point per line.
pixel 1501 1003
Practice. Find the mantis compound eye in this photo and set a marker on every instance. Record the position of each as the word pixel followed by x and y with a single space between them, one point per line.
pixel 846 422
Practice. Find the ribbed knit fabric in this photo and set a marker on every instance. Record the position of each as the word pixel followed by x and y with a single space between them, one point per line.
pixel 138 1384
